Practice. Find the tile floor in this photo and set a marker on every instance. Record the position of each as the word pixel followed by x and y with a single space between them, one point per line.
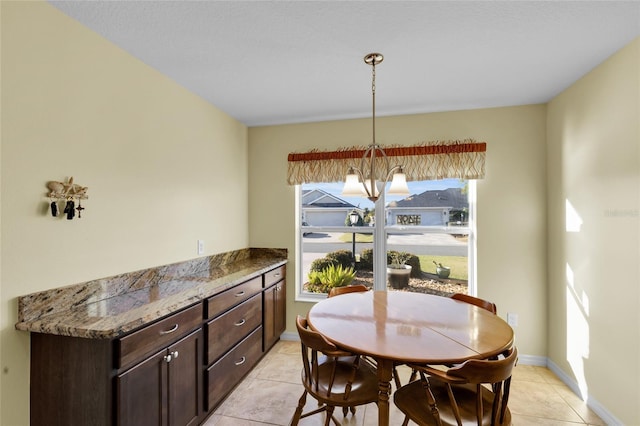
pixel 269 395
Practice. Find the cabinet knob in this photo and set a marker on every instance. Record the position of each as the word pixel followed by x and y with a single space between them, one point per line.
pixel 241 361
pixel 241 322
pixel 167 358
pixel 174 354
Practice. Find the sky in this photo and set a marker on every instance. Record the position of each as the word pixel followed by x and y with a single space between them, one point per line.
pixel 417 187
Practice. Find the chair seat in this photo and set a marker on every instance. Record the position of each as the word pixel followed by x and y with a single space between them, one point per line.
pixel 411 400
pixel 364 386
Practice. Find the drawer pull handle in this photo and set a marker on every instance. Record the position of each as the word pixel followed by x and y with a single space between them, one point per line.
pixel 242 360
pixel 241 322
pixel 171 330
pixel 277 274
pixel 239 294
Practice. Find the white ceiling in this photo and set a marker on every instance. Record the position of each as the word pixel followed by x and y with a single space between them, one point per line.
pixel 275 62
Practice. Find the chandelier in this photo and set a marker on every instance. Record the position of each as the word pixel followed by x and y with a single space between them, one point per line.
pixel 366 180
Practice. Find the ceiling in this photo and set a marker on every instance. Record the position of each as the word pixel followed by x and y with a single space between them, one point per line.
pixel 276 62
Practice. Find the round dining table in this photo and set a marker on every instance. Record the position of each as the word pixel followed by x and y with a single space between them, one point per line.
pixel 404 327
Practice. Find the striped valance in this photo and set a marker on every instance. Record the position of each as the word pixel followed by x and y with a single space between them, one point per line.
pixel 426 161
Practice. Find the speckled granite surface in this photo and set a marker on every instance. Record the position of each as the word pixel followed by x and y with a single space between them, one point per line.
pixel 109 307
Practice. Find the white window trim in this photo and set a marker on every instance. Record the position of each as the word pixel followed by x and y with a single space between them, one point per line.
pixel 380 234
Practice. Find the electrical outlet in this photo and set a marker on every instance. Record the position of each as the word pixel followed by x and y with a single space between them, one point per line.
pixel 200 246
pixel 512 319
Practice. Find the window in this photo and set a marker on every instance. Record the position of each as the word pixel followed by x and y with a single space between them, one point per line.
pixel 435 224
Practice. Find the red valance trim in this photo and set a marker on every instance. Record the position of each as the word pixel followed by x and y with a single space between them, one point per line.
pixel 390 151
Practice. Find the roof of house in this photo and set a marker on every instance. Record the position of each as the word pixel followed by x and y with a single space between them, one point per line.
pixel 320 198
pixel 450 197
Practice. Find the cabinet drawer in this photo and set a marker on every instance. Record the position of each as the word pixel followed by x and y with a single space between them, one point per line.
pixel 153 337
pixel 274 276
pixel 238 294
pixel 231 327
pixel 227 372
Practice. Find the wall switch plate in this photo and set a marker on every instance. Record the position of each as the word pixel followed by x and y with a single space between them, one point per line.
pixel 512 319
pixel 200 246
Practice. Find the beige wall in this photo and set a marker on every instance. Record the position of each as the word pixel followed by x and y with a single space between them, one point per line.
pixel 594 245
pixel 162 166
pixel 511 206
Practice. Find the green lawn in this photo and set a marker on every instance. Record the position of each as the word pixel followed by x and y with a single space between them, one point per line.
pixel 458 265
pixel 360 238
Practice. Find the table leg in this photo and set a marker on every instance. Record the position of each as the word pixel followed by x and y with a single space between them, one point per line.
pixel 385 368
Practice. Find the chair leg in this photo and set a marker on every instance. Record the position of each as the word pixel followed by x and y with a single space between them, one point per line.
pixel 330 416
pixel 298 412
pixel 396 378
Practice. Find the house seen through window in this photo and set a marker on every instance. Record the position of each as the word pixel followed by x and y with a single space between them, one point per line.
pixel 430 230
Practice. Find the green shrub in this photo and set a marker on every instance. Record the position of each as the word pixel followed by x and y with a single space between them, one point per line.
pixel 366 260
pixel 330 277
pixel 407 259
pixel 321 264
pixel 341 257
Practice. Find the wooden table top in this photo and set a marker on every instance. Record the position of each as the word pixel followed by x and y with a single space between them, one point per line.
pixel 410 327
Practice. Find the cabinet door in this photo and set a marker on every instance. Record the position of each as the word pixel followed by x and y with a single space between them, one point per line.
pixel 141 393
pixel 274 313
pixel 281 308
pixel 185 383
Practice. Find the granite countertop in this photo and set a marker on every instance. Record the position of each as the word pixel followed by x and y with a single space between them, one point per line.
pixel 110 307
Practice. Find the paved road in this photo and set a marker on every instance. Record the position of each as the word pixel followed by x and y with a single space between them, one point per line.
pixel 316 245
pixel 432 244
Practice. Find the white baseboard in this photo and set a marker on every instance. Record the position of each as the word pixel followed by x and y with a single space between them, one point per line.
pixel 592 403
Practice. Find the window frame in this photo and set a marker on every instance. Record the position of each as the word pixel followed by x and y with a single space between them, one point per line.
pixel 470 230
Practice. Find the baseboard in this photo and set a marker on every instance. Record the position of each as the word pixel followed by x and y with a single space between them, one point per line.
pixel 539 361
pixel 592 403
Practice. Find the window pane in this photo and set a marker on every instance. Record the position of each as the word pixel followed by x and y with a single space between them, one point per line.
pixel 432 226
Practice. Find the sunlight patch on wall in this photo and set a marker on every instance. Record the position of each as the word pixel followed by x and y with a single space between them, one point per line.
pixel 573 219
pixel 577 330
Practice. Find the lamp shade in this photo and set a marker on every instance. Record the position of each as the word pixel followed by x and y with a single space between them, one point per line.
pixel 398 185
pixel 352 186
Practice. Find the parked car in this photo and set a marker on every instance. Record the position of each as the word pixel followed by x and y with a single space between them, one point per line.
pixel 305 233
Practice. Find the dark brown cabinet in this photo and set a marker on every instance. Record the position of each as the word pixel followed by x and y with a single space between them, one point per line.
pixel 172 372
pixel 165 388
pixel 274 302
pixel 234 338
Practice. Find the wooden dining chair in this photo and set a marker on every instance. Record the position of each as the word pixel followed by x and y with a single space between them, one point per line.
pixel 457 396
pixel 484 304
pixel 333 377
pixel 336 291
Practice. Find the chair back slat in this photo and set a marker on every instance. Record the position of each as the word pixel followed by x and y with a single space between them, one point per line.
pixel 356 288
pixel 461 393
pixel 332 376
pixel 484 304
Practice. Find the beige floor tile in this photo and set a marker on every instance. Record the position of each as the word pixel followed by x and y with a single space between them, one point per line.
pixel 282 366
pixel 540 400
pixel 579 406
pixel 269 396
pixel 520 420
pixel 528 373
